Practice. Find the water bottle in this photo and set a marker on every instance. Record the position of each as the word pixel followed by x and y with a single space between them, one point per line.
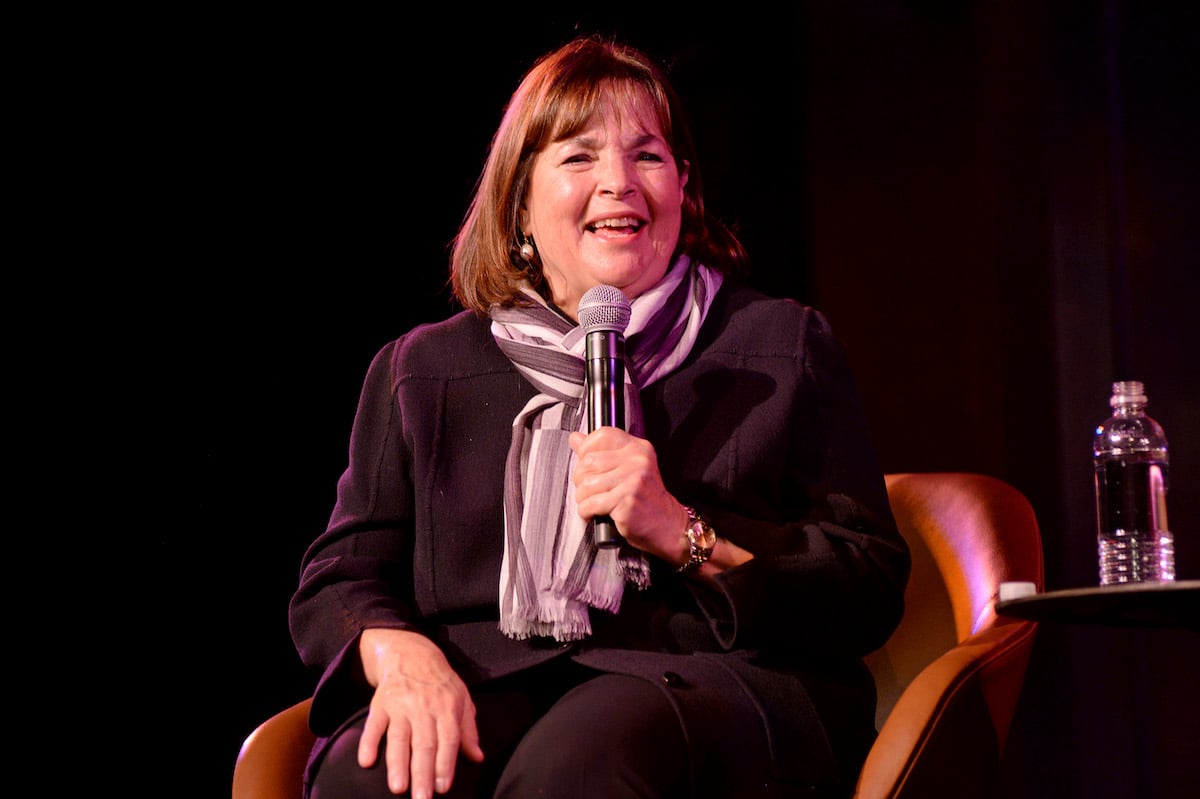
pixel 1130 458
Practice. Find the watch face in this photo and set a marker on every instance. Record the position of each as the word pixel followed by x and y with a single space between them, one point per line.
pixel 702 536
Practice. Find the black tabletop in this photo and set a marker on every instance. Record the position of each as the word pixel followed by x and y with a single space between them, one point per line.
pixel 1168 604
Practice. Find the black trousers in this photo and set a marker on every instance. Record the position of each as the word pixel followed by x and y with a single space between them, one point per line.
pixel 565 731
pixel 561 731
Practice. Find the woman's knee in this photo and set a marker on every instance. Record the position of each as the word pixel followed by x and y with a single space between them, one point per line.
pixel 504 713
pixel 338 774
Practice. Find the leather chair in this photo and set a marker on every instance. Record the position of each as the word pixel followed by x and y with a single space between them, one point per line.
pixel 949 677
pixel 271 762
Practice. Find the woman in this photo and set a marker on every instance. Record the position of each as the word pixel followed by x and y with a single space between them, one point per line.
pixel 470 637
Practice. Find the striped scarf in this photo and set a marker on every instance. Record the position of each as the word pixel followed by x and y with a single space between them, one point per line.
pixel 552 570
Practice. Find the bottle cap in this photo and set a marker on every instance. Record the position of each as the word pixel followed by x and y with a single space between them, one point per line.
pixel 1015 590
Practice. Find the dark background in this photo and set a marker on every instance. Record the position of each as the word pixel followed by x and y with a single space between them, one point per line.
pixel 996 204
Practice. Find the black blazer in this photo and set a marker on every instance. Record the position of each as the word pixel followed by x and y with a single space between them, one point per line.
pixel 761 430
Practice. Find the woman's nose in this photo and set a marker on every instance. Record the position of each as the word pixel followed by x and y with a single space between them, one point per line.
pixel 617 178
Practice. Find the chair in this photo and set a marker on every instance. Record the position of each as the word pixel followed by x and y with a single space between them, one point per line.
pixel 271 762
pixel 950 675
pixel 948 678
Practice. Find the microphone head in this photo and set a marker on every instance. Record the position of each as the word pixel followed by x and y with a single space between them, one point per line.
pixel 604 308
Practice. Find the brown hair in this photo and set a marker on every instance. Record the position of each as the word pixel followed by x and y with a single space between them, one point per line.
pixel 555 100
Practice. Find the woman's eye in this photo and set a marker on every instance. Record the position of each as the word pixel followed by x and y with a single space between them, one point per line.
pixel 649 157
pixel 579 158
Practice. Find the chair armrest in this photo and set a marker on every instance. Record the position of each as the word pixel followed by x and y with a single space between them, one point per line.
pixel 271 762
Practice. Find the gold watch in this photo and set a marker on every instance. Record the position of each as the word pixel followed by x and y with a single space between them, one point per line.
pixel 701 538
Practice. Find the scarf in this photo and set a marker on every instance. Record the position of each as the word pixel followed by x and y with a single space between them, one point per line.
pixel 552 571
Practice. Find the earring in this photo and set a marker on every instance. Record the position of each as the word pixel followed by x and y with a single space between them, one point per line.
pixel 527 251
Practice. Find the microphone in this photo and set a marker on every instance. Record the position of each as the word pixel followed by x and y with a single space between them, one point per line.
pixel 604 314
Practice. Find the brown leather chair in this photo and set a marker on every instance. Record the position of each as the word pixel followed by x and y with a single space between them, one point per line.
pixel 949 677
pixel 271 762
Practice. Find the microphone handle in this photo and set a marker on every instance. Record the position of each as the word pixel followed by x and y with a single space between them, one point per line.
pixel 604 532
pixel 606 406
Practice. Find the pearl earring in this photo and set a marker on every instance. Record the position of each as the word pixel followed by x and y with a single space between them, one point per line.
pixel 527 251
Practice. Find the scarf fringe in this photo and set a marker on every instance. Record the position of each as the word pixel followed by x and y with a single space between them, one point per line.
pixel 564 620
pixel 523 629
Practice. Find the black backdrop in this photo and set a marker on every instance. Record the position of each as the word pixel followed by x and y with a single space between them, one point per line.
pixel 995 206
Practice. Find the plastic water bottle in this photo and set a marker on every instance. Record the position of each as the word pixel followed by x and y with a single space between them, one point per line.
pixel 1130 457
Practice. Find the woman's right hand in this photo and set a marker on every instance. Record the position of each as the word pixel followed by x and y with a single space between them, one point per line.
pixel 421 707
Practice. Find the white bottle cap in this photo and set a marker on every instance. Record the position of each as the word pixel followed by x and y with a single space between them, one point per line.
pixel 1016 590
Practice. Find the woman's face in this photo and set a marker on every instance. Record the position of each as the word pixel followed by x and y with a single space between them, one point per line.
pixel 605 207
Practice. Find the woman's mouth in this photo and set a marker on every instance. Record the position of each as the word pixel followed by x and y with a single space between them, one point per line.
pixel 617 224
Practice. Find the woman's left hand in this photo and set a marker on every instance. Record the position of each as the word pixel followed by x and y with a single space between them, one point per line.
pixel 616 474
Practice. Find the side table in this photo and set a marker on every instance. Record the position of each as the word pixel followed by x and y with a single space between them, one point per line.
pixel 1168 604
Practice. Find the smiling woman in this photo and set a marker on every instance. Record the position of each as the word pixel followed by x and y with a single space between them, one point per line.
pixel 461 616
pixel 590 179
pixel 604 204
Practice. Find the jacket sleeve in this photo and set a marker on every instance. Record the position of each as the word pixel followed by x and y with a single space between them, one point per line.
pixel 351 576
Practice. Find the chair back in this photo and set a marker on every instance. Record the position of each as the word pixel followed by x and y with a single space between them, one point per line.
pixel 950 676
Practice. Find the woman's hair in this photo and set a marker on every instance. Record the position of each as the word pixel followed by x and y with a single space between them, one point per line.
pixel 557 97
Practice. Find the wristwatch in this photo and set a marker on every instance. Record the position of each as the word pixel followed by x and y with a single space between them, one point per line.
pixel 701 538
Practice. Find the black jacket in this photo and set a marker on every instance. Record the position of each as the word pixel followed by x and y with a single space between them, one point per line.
pixel 761 430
